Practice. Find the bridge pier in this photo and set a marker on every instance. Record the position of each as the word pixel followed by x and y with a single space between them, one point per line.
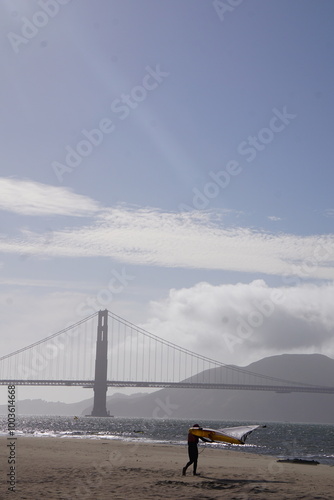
pixel 101 364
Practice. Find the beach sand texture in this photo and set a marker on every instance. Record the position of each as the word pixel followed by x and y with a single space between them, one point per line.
pixel 88 469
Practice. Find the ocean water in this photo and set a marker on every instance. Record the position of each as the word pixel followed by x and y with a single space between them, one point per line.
pixel 281 440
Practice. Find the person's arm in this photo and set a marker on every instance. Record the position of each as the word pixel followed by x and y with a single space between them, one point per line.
pixel 206 440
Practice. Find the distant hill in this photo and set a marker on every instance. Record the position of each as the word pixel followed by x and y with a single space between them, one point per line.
pixel 212 404
pixel 41 407
pixel 202 404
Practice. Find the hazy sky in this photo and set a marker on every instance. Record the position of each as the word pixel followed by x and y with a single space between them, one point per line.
pixel 171 161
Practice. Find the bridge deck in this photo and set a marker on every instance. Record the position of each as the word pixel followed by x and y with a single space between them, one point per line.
pixel 89 384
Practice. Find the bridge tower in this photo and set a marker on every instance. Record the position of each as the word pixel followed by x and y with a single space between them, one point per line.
pixel 101 364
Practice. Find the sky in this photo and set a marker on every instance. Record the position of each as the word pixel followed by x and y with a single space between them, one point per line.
pixel 171 161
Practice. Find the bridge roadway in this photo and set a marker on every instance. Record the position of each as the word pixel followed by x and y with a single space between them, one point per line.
pixel 89 384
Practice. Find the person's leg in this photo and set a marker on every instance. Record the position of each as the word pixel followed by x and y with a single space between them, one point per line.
pixel 195 458
pixel 186 467
pixel 192 457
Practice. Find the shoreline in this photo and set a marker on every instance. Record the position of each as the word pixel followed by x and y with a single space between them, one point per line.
pixel 246 449
pixel 69 468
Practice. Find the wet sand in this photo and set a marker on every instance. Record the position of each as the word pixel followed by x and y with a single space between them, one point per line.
pixel 66 468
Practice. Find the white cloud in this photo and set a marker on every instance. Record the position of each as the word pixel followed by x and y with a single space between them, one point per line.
pixel 186 240
pixel 33 198
pixel 245 322
pixel 329 212
pixel 44 283
pixel 274 218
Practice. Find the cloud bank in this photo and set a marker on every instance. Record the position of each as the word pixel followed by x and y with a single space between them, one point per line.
pixel 197 240
pixel 245 322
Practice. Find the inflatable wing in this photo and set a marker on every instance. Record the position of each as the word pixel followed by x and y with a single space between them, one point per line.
pixel 233 435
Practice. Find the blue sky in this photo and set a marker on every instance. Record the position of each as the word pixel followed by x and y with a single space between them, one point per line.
pixel 182 144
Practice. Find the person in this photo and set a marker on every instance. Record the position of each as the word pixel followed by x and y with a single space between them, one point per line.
pixel 193 451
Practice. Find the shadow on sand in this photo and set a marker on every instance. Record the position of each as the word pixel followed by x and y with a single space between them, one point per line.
pixel 241 481
pixel 212 483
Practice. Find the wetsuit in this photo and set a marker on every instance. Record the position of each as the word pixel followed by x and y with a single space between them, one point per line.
pixel 193 452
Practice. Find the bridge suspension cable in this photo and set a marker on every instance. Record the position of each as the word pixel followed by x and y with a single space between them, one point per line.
pixel 56 357
pixel 135 357
pixel 50 337
pixel 192 355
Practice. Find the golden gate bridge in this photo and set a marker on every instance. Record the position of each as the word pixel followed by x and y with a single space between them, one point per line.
pixel 122 354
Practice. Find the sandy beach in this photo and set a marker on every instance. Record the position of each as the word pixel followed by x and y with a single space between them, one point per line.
pixel 65 468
